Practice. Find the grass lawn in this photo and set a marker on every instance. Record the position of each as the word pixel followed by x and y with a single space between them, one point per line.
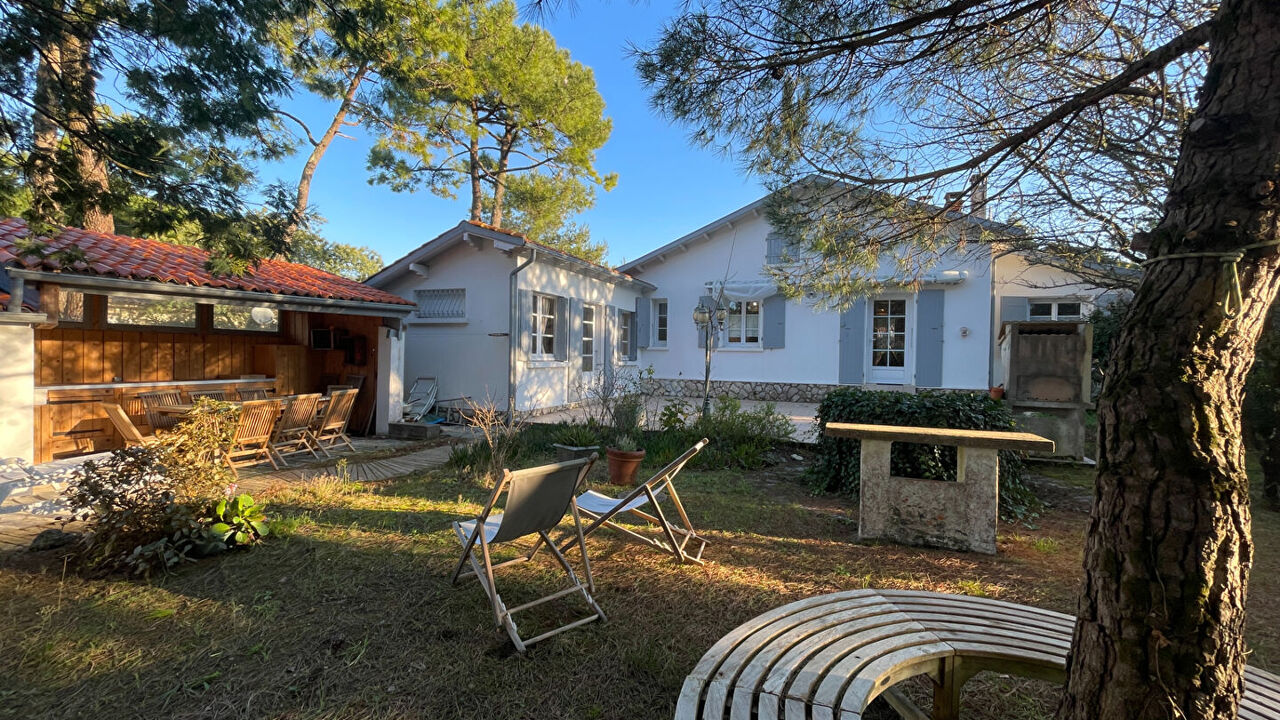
pixel 349 614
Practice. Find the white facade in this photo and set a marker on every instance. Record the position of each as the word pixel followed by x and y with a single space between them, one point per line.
pixel 470 354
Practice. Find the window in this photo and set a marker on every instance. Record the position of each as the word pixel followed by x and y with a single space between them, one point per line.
pixel 151 310
pixel 743 322
pixel 775 247
pixel 660 323
pixel 588 338
pixel 626 323
pixel 543 343
pixel 441 304
pixel 1055 310
pixel 70 305
pixel 251 319
pixel 889 333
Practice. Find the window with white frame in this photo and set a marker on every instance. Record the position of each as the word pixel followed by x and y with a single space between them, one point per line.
pixel 441 304
pixel 742 324
pixel 626 327
pixel 588 338
pixel 660 323
pixel 1068 309
pixel 543 335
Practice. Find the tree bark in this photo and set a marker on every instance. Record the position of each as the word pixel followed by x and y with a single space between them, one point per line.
pixel 499 176
pixel 1161 612
pixel 80 102
pixel 473 167
pixel 299 211
pixel 42 163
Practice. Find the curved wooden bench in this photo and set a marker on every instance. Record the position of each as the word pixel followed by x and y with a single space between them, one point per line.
pixel 829 656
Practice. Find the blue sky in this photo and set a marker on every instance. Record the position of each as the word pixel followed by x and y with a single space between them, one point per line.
pixel 666 187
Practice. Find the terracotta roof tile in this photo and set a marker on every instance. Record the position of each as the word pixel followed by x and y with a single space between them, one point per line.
pixel 133 258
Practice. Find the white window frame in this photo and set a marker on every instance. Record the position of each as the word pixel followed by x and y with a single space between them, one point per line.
pixel 538 318
pixel 661 322
pixel 588 351
pixel 1054 315
pixel 742 315
pixel 626 334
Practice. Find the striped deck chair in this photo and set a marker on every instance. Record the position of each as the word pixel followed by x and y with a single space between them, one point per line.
pixel 677 540
pixel 537 499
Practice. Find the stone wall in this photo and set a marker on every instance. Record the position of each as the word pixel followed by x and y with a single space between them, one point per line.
pixel 742 390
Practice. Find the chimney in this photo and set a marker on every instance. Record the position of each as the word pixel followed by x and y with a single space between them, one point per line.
pixel 978 199
pixel 954 202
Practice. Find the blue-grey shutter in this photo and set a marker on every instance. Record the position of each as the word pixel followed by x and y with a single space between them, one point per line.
pixel 574 351
pixel 929 337
pixel 774 308
pixel 642 323
pixel 562 328
pixel 1013 309
pixel 773 246
pixel 705 301
pixel 524 321
pixel 853 342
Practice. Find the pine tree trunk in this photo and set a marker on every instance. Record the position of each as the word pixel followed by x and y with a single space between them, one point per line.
pixel 299 211
pixel 42 163
pixel 500 176
pixel 477 190
pixel 1168 549
pixel 80 101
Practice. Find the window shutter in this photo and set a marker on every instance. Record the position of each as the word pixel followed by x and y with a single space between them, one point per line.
pixel 705 301
pixel 574 349
pixel 1013 309
pixel 524 321
pixel 929 339
pixel 853 342
pixel 642 328
pixel 773 247
pixel 562 328
pixel 774 308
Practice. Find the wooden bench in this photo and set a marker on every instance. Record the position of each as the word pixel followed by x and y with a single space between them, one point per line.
pixel 829 656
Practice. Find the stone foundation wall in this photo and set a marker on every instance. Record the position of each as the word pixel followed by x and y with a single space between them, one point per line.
pixel 744 390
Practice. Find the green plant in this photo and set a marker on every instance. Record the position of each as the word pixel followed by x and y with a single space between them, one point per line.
pixel 739 439
pixel 628 413
pixel 836 466
pixel 237 521
pixel 675 415
pixel 626 443
pixel 577 436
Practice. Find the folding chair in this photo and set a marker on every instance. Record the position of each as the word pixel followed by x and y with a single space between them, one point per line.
pixel 601 509
pixel 252 436
pixel 537 499
pixel 152 400
pixel 330 428
pixel 120 419
pixel 219 395
pixel 422 396
pixel 292 434
pixel 251 394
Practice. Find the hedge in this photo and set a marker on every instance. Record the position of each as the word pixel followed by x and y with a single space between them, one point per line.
pixel 837 465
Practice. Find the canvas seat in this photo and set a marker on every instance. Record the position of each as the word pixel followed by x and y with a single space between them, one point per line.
pixel 536 502
pixel 680 540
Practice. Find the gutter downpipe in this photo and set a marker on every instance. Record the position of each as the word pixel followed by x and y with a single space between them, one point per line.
pixel 513 333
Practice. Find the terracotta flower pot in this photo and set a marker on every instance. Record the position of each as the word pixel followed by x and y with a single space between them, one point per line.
pixel 997 392
pixel 624 465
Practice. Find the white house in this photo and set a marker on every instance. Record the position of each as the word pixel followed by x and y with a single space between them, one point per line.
pixel 504 318
pixel 571 318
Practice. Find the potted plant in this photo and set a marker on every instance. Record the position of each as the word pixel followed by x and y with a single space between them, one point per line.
pixel 574 442
pixel 625 457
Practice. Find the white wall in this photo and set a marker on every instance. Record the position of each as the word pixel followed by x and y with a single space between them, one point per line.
pixel 811 353
pixel 17 391
pixel 468 359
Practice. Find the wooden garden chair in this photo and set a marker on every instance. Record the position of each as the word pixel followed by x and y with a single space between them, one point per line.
pixel 330 428
pixel 219 395
pixel 537 499
pixel 251 441
pixel 676 539
pixel 292 434
pixel 123 425
pixel 156 419
pixel 252 394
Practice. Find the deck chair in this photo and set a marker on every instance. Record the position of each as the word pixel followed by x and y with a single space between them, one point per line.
pixel 537 499
pixel 330 428
pixel 421 398
pixel 152 400
pixel 123 425
pixel 601 509
pixel 252 394
pixel 292 434
pixel 251 440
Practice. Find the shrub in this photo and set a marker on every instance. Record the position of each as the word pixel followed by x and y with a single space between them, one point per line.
pixel 675 415
pixel 150 508
pixel 577 436
pixel 739 439
pixel 836 466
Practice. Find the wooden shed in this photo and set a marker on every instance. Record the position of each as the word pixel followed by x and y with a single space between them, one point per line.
pixel 118 316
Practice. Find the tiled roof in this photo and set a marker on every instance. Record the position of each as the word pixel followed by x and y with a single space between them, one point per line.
pixel 131 258
pixel 540 246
